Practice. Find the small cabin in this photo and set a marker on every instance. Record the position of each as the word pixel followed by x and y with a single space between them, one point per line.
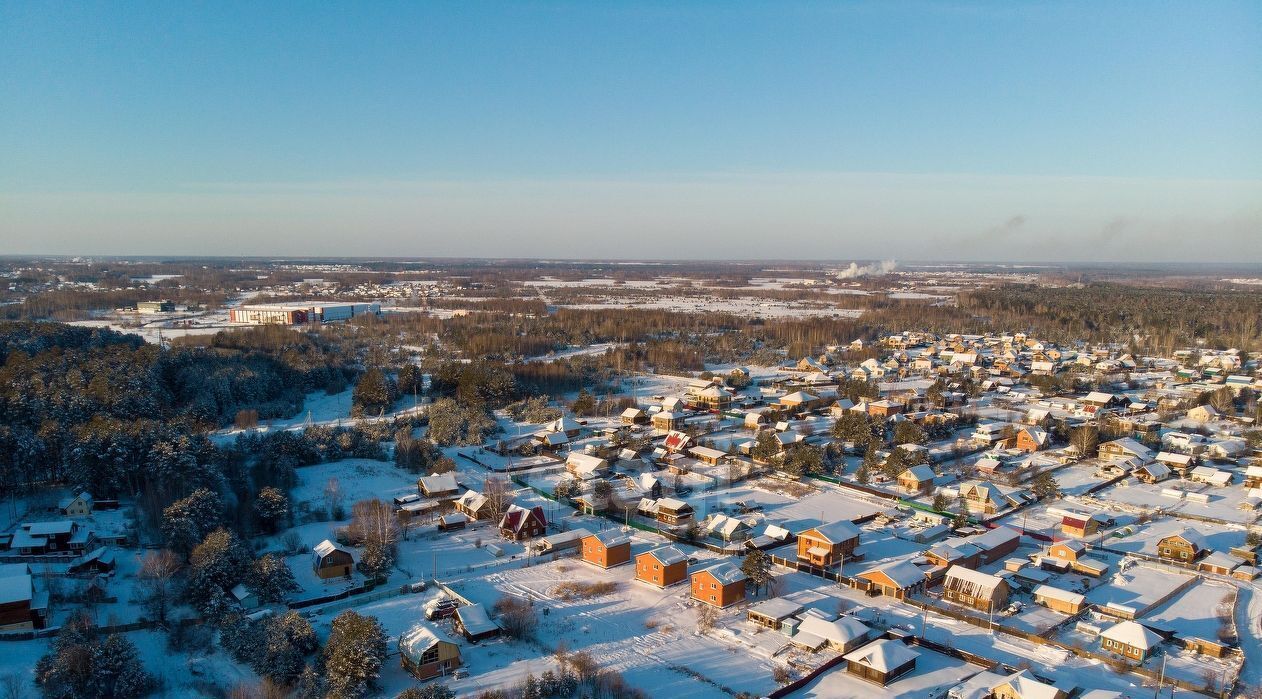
pixel 425 654
pixel 330 560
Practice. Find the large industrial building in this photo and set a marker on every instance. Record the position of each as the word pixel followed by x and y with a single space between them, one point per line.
pixel 297 313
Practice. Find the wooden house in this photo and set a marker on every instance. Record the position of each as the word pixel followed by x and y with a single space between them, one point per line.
pixel 706 455
pixel 634 416
pixel 606 549
pixel 1131 640
pixel 663 566
pixel 1059 600
pixel 917 480
pixel 772 613
pixel 474 623
pixel 897 580
pixel 1024 686
pixel 41 538
pixel 667 420
pixel 442 485
pixel 80 505
pixel 881 661
pixel 975 589
pixel 519 523
pixel 20 606
pixel 827 544
pixel 330 560
pixel 817 631
pixel 586 466
pixel 425 654
pixel 474 505
pixel 1185 546
pixel 721 585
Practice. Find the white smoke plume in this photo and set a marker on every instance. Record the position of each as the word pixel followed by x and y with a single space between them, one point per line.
pixel 854 271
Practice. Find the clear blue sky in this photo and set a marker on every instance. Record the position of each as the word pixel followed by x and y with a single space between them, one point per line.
pixel 869 129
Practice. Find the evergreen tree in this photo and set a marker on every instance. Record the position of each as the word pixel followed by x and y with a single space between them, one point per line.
pixel 373 394
pixel 353 655
pixel 271 507
pixel 757 567
pixel 289 639
pixel 216 565
pixel 1044 485
pixel 186 522
pixel 270 579
pixel 584 404
pixel 376 561
pixel 116 669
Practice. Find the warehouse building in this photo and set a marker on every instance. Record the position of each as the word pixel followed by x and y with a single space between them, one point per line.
pixel 297 313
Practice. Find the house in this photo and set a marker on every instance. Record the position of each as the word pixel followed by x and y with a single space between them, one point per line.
pixel 98 561
pixel 707 455
pixel 78 506
pixel 565 425
pixel 634 416
pixel 674 512
pixel 1185 546
pixel 1080 526
pixel 1023 685
pixel 1210 475
pixel 1218 563
pixel 842 634
pixel 1152 472
pixel 1072 555
pixel 586 466
pixel 244 597
pixel 1059 600
pixel 1253 475
pixel 985 497
pixel 606 549
pixel 442 485
pixel 20 606
pixel 719 586
pixel 828 544
pixel 773 613
pixel 452 521
pixel 881 661
pixel 1032 439
pixel 713 398
pixel 917 479
pixel 799 401
pixel 1175 461
pixel 663 566
pixel 330 560
pixel 1125 448
pixel 425 654
pixel 1097 400
pixel 40 538
pixel 884 408
pixel 896 580
pixel 474 623
pixel 519 523
pixel 727 528
pixel 676 441
pixel 1203 413
pixel 975 589
pixel 1131 640
pixel 474 505
pixel 667 420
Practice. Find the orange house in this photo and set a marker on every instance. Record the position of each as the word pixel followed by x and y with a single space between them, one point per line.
pixel 719 586
pixel 606 549
pixel 827 544
pixel 1032 439
pixel 663 567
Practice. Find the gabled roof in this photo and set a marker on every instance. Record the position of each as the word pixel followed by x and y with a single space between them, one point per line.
pixel 839 631
pixel 1189 535
pixel 667 555
pixel 921 472
pixel 475 620
pixel 726 573
pixel 983 581
pixel 904 574
pixel 884 655
pixel 420 638
pixel 835 532
pixel 327 547
pixel 516 518
pixel 1133 634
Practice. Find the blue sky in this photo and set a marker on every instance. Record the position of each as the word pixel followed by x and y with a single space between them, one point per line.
pixel 1022 131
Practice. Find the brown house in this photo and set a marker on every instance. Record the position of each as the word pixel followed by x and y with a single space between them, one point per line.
pixel 882 661
pixel 1059 600
pixel 1131 640
pixel 474 505
pixel 424 654
pixel 975 589
pixel 1184 546
pixel 917 479
pixel 827 544
pixel 606 549
pixel 518 523
pixel 1079 527
pixel 662 567
pixel 719 586
pixel 673 512
pixel 20 606
pixel 329 560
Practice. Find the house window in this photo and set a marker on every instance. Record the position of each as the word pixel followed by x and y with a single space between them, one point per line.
pixel 1183 555
pixel 712 599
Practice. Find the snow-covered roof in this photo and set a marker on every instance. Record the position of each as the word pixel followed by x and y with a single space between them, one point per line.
pixel 726 573
pixel 668 555
pixel 1189 535
pixel 1058 594
pixel 326 547
pixel 838 631
pixel 420 638
pixel 884 655
pixel 920 472
pixel 612 537
pixel 475 620
pixel 904 574
pixel 16 588
pixel 835 532
pixel 1133 634
pixel 776 608
pixel 984 581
